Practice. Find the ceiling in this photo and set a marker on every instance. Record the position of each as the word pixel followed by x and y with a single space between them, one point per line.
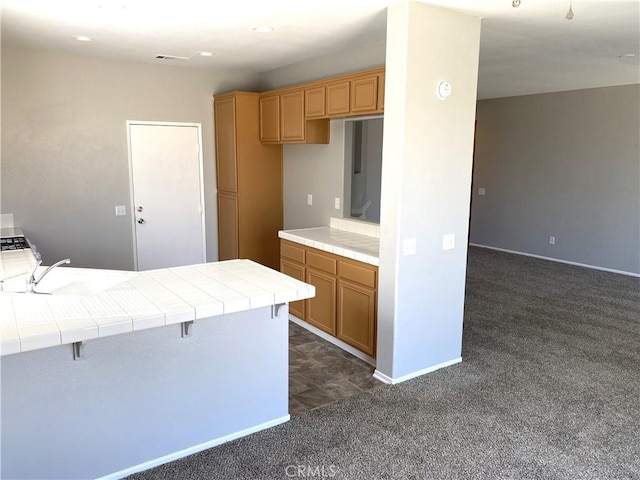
pixel 529 49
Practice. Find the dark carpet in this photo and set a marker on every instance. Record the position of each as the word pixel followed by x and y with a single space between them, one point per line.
pixel 549 388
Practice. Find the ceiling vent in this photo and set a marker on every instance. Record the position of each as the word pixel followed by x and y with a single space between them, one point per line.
pixel 170 57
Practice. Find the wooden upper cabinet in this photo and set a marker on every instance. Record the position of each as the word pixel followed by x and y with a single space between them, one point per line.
pixel 338 95
pixel 292 121
pixel 301 114
pixel 380 93
pixel 270 119
pixel 225 126
pixel 364 94
pixel 315 102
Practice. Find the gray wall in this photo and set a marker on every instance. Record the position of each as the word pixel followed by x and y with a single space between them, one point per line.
pixel 562 164
pixel 314 169
pixel 64 146
pixel 365 185
pixel 373 151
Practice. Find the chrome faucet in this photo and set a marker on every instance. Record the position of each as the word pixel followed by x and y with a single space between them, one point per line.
pixel 32 282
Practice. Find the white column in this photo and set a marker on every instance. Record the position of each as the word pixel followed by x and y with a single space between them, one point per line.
pixel 426 180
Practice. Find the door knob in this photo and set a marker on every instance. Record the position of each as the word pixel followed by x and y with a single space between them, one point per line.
pixel 141 221
pixel 139 209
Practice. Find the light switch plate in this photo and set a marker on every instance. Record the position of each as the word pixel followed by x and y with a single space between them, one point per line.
pixel 448 241
pixel 337 203
pixel 409 247
pixel 481 191
pixel 309 199
pixel 121 210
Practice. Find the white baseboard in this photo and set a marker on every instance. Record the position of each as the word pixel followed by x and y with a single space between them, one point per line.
pixel 195 449
pixel 558 260
pixel 387 379
pixel 331 339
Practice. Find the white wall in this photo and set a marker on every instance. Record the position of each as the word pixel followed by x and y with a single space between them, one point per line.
pixel 347 60
pixel 64 146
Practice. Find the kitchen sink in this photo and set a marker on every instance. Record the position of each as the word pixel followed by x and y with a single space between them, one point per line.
pixel 72 281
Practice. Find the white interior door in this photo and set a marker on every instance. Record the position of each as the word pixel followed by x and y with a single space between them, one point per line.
pixel 168 208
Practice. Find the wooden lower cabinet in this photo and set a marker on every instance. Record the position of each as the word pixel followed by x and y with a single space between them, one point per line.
pixel 345 304
pixel 297 271
pixel 356 316
pixel 321 309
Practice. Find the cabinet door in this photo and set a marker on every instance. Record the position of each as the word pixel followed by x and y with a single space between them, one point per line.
pixel 314 102
pixel 226 159
pixel 292 121
pixel 364 95
pixel 381 92
pixel 338 98
pixel 270 119
pixel 321 309
pixel 294 270
pixel 227 226
pixel 356 316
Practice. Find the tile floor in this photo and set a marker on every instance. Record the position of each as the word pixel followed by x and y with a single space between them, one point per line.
pixel 321 373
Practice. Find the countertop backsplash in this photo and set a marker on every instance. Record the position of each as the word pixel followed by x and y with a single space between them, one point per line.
pixel 355 226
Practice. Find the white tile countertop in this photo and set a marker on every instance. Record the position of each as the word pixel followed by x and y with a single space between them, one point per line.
pixel 345 237
pixel 143 300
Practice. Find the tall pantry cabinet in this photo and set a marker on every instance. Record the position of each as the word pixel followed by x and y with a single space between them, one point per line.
pixel 249 180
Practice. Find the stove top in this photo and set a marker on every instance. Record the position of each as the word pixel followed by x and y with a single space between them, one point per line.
pixel 13 239
pixel 13 243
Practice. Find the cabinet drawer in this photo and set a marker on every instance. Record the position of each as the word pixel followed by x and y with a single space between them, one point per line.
pixel 358 272
pixel 292 251
pixel 322 262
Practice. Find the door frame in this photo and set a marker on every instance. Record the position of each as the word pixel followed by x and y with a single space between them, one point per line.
pixel 198 126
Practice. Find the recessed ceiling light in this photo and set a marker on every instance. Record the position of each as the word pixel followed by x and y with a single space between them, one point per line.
pixel 205 54
pixel 263 29
pixel 81 38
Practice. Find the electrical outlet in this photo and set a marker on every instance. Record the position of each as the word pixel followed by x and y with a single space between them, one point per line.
pixel 121 210
pixel 481 191
pixel 309 199
pixel 409 247
pixel 552 240
pixel 448 241
pixel 337 203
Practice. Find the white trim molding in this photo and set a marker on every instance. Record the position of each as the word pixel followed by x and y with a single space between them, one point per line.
pixel 558 260
pixel 392 381
pixel 191 450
